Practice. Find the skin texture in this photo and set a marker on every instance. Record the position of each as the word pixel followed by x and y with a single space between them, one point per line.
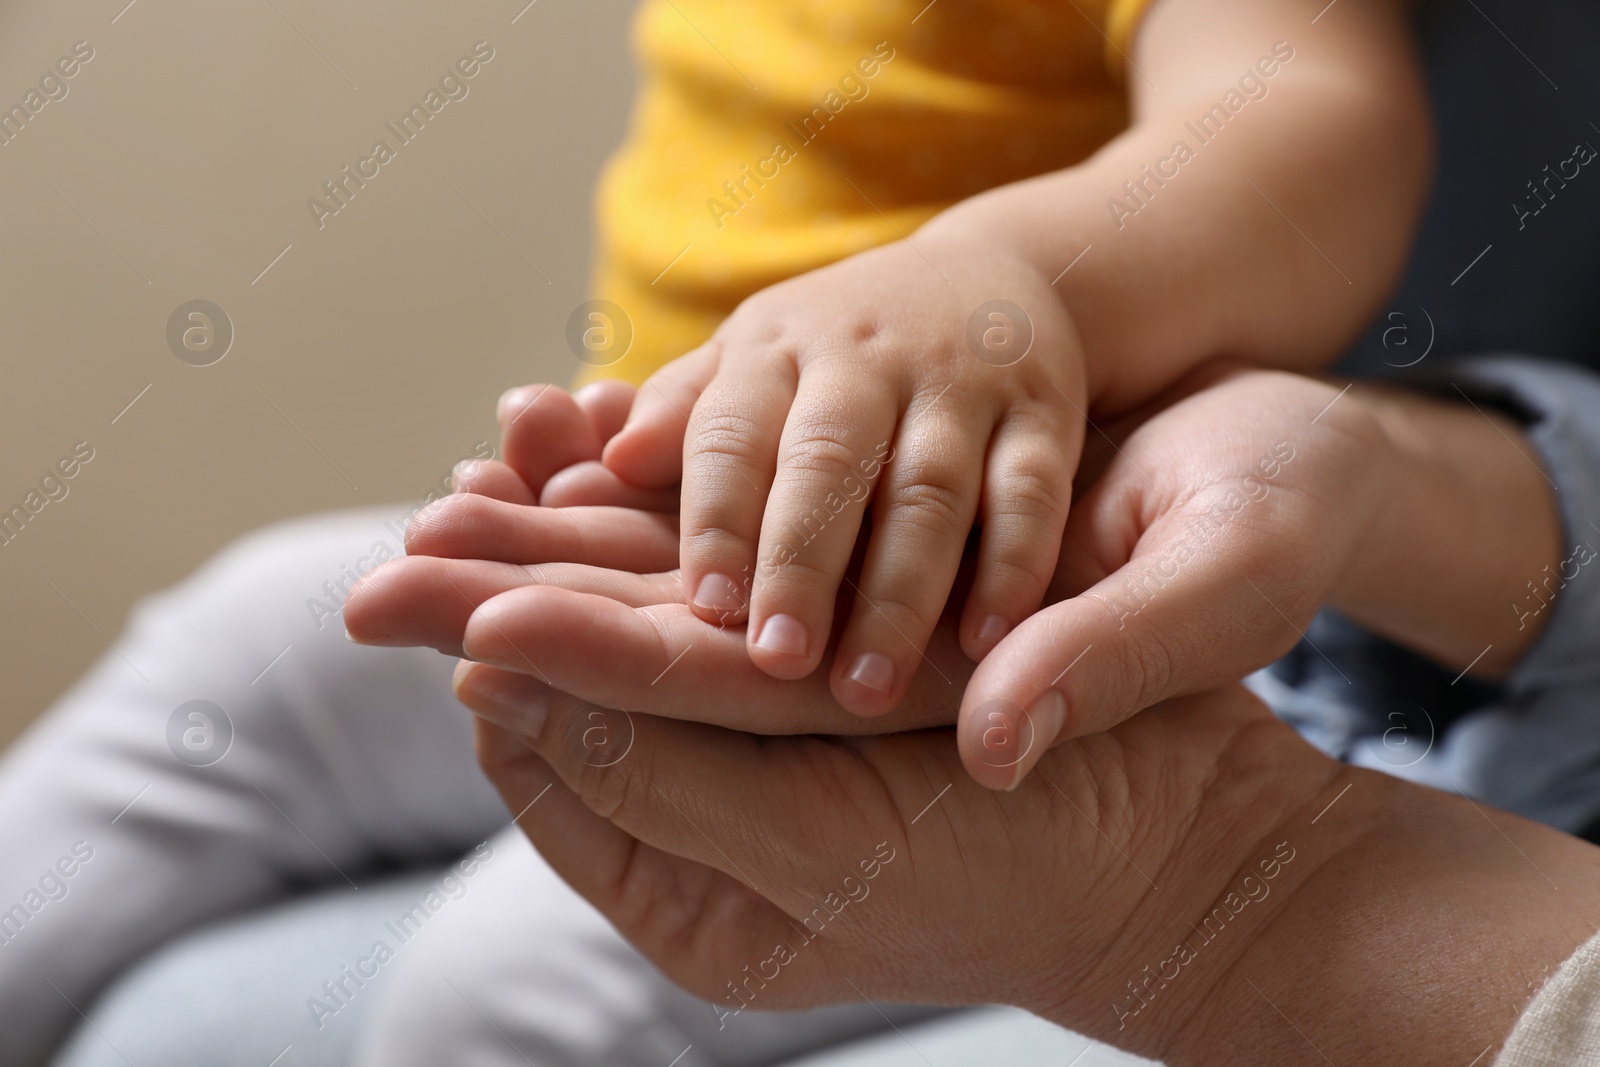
pixel 1224 521
pixel 724 856
pixel 1468 499
pixel 1216 530
pixel 779 426
pixel 1212 530
pixel 709 847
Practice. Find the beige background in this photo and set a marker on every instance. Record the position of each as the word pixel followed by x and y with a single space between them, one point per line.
pixel 191 143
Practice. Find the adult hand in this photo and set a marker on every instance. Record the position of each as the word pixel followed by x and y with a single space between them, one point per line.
pixel 1196 884
pixel 1219 527
pixel 1214 532
pixel 479 596
pixel 1239 487
pixel 530 581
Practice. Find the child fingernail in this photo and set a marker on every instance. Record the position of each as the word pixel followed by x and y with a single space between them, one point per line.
pixel 993 629
pixel 1047 715
pixel 873 670
pixel 783 634
pixel 717 592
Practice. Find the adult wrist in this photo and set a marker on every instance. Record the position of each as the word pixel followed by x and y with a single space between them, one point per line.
pixel 1237 864
pixel 1464 499
pixel 1418 942
pixel 1362 919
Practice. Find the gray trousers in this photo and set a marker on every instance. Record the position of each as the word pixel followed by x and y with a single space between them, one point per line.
pixel 241 839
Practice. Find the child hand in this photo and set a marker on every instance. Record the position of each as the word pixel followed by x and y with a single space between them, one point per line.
pixel 1217 530
pixel 943 379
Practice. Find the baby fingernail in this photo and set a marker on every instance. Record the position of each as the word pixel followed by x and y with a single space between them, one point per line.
pixel 873 670
pixel 783 634
pixel 993 629
pixel 1047 715
pixel 717 592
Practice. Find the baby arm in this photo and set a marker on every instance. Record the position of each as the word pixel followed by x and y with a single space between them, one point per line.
pixel 1270 240
pixel 1259 206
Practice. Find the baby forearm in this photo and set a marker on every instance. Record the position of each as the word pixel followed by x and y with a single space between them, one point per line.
pixel 1259 207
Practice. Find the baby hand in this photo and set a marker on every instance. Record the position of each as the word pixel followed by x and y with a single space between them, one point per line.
pixel 943 382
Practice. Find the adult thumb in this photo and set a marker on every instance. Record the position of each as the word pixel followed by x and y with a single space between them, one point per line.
pixel 1167 623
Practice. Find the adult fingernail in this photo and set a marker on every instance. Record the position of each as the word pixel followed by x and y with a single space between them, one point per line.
pixel 716 592
pixel 515 701
pixel 783 634
pixel 1047 715
pixel 873 670
pixel 993 629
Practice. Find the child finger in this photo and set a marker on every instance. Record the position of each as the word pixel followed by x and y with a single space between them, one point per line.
pixel 729 458
pixel 834 445
pixel 921 519
pixel 1026 493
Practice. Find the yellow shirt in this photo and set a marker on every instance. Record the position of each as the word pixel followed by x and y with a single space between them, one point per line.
pixel 772 137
